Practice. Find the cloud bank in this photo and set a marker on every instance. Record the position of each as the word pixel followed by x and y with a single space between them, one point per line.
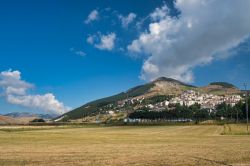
pixel 15 91
pixel 204 31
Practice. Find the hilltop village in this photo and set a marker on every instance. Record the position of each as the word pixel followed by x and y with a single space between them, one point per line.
pixel 163 98
pixel 161 102
pixel 207 101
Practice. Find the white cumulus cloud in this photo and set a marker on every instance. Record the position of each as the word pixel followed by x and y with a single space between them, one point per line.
pixel 93 15
pixel 205 30
pixel 15 90
pixel 159 13
pixel 126 20
pixel 103 42
pixel 90 39
pixel 78 52
pixel 107 42
pixel 11 82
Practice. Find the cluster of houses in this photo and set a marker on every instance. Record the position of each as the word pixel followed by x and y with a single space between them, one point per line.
pixel 207 101
pixel 188 98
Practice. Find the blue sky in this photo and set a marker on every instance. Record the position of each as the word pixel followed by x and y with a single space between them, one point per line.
pixel 47 43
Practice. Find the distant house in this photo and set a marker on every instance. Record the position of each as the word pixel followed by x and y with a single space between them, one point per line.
pixel 166 103
pixel 150 106
pixel 111 112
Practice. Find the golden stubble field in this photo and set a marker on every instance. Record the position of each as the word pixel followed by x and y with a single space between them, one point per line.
pixel 152 145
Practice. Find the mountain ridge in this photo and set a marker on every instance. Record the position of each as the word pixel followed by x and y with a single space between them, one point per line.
pixel 28 114
pixel 172 80
pixel 159 86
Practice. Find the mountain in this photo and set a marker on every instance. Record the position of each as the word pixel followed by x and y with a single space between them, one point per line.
pixel 5 120
pixel 23 117
pixel 164 79
pixel 30 115
pixel 93 106
pixel 223 84
pixel 220 88
pixel 159 87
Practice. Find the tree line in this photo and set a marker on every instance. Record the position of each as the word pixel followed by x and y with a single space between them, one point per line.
pixel 194 112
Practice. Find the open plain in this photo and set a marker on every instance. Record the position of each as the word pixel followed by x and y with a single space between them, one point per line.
pixel 125 145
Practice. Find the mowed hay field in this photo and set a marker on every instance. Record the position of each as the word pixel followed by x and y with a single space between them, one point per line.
pixel 151 145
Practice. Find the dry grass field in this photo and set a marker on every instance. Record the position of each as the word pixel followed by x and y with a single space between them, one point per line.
pixel 151 145
pixel 235 130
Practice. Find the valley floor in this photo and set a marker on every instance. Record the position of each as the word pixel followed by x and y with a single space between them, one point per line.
pixel 134 145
